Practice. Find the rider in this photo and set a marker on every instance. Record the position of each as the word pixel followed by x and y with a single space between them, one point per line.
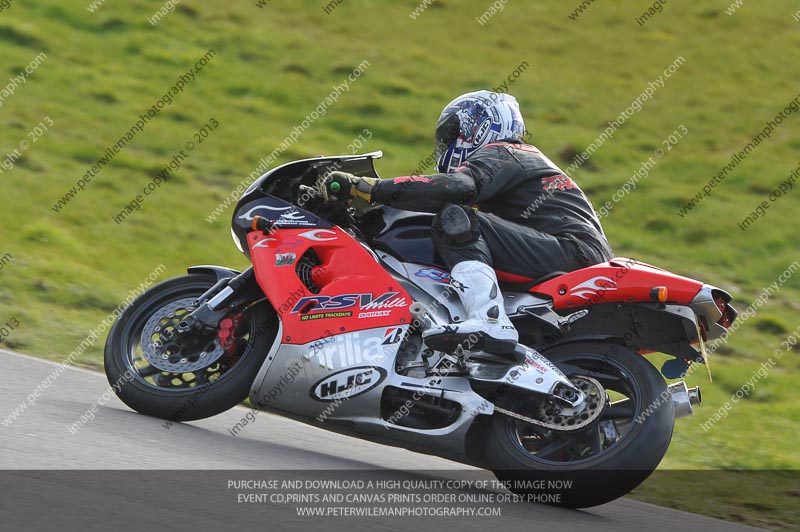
pixel 532 219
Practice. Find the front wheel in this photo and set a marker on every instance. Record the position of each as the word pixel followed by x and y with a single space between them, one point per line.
pixel 161 373
pixel 595 464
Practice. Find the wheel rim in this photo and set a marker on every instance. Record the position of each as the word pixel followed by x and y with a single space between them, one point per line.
pixel 188 364
pixel 614 425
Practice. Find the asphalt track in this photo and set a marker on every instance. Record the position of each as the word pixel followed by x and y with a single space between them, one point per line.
pixel 93 479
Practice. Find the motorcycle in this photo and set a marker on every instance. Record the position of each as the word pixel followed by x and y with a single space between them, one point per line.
pixel 325 328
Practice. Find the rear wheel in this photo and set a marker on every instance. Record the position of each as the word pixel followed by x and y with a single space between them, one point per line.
pixel 600 461
pixel 162 373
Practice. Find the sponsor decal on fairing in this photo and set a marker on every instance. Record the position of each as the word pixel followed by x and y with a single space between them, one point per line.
pixel 249 214
pixel 374 314
pixel 285 259
pixel 347 383
pixel 392 335
pixel 290 216
pixel 370 305
pixel 433 273
pixel 325 315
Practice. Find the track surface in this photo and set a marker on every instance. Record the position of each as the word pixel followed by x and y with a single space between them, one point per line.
pixel 119 439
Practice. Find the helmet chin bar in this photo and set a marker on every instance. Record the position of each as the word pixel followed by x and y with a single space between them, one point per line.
pixel 443 162
pixel 454 157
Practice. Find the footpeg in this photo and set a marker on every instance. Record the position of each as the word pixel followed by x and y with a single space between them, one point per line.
pixel 419 315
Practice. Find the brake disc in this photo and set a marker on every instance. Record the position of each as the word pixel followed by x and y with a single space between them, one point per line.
pixel 552 417
pixel 161 348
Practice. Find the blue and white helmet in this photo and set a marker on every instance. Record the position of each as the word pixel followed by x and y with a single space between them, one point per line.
pixel 473 120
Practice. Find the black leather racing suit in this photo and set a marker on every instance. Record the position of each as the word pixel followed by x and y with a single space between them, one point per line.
pixel 532 219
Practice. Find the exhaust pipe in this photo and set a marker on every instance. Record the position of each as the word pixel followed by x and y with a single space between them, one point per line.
pixel 684 398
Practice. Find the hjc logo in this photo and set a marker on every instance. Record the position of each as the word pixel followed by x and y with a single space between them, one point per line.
pixel 334 386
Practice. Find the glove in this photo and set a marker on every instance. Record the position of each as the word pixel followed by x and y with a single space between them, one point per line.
pixel 341 186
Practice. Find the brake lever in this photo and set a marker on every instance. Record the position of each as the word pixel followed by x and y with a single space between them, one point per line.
pixel 307 193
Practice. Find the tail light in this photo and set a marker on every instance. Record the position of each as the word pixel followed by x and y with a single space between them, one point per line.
pixel 726 320
pixel 722 305
pixel 720 301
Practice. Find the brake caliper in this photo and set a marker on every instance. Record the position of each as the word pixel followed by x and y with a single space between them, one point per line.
pixel 227 333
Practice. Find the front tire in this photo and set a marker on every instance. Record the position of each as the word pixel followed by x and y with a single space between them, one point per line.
pixel 600 463
pixel 206 379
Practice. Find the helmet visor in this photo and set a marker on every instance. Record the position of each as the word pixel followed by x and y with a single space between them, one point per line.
pixel 446 134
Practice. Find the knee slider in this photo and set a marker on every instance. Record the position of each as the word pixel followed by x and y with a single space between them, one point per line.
pixel 456 224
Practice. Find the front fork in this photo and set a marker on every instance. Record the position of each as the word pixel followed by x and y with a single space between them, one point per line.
pixel 231 293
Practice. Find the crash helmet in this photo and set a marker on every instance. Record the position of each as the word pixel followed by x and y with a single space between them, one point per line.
pixel 473 120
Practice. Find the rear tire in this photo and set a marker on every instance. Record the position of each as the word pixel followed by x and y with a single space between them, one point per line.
pixel 610 472
pixel 164 395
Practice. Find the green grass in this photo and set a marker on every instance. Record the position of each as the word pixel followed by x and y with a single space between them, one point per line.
pixel 766 499
pixel 275 65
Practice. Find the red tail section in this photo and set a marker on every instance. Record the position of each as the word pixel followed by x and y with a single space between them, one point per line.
pixel 619 280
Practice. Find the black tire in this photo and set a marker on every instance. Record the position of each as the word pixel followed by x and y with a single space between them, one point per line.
pixel 615 470
pixel 208 396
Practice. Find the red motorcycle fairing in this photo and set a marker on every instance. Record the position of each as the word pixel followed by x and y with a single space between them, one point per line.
pixel 353 291
pixel 618 280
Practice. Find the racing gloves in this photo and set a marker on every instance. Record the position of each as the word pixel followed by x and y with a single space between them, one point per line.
pixel 341 186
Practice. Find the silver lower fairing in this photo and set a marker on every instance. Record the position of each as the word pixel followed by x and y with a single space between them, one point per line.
pixel 341 381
